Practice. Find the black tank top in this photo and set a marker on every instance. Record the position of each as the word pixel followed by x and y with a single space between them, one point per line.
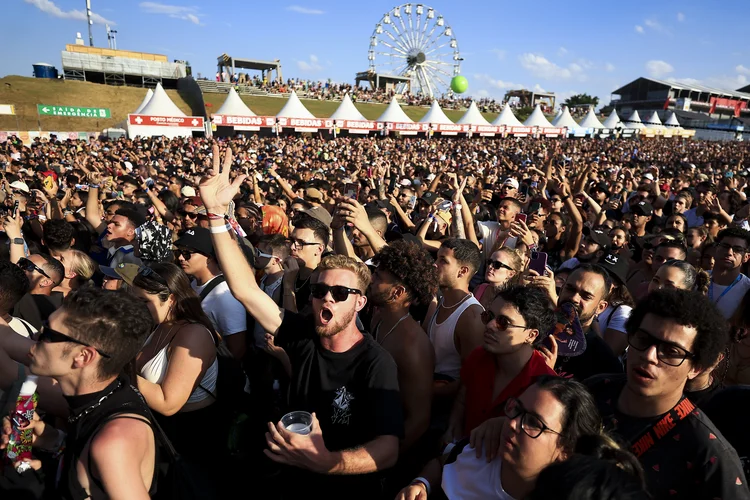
pixel 86 419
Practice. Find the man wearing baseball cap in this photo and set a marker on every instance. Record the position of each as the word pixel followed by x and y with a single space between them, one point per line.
pixel 195 255
pixel 594 244
pixel 509 188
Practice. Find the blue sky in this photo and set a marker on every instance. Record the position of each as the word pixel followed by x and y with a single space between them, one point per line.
pixel 563 47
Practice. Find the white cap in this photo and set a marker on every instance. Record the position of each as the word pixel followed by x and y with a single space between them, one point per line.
pixel 29 385
pixel 405 182
pixel 510 181
pixel 188 191
pixel 649 176
pixel 128 165
pixel 21 186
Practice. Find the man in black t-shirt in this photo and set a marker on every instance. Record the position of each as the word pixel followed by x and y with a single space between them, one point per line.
pixel 339 374
pixel 673 335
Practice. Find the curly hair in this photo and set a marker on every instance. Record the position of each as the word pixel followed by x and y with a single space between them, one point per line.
pixel 413 267
pixel 13 285
pixel 687 308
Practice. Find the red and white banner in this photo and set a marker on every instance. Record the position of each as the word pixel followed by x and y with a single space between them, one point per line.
pixel 358 125
pixel 166 121
pixel 243 121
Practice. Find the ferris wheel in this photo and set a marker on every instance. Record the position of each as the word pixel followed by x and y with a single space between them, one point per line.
pixel 414 41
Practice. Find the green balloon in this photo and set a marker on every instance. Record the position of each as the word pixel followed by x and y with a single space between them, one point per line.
pixel 459 84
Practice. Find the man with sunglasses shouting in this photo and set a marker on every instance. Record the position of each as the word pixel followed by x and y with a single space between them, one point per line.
pixel 339 374
pixel 673 335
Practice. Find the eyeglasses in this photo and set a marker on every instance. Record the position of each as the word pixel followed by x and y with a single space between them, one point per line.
pixel 338 292
pixel 50 336
pixel 300 243
pixel 531 424
pixel 734 248
pixel 502 322
pixel 27 265
pixel 496 264
pixel 666 352
pixel 555 200
pixel 185 254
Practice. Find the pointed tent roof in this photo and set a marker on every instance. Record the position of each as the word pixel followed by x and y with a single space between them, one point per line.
pixel 435 115
pixel 612 120
pixel 590 120
pixel 537 119
pixel 507 118
pixel 148 97
pixel 565 120
pixel 394 113
pixel 558 114
pixel 473 116
pixel 672 121
pixel 234 106
pixel 654 122
pixel 634 121
pixel 347 111
pixel 294 108
pixel 161 105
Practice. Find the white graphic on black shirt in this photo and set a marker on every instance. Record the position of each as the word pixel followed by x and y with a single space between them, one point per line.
pixel 341 411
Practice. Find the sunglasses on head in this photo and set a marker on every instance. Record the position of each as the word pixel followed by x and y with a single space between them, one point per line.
pixel 147 272
pixel 338 292
pixel 263 255
pixel 50 336
pixel 496 264
pixel 27 265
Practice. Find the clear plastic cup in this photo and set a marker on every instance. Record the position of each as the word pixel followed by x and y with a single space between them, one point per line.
pixel 299 422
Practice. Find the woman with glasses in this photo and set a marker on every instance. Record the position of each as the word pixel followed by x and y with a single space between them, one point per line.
pixel 177 365
pixel 541 427
pixel 503 270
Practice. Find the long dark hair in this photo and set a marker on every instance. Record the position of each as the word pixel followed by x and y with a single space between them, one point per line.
pixel 187 305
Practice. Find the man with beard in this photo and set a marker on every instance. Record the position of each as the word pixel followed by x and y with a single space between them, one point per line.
pixel 587 289
pixel 593 246
pixel 342 376
pixel 195 255
pixel 673 336
pixel 507 363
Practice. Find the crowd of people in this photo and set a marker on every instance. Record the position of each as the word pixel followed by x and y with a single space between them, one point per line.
pixel 455 317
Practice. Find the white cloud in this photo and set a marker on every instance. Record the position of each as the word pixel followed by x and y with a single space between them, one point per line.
pixel 680 16
pixel 655 25
pixel 562 51
pixel 498 84
pixel 538 88
pixel 721 82
pixel 175 11
pixel 311 66
pixel 658 69
pixel 304 10
pixel 742 70
pixel 49 7
pixel 541 67
pixel 639 29
pixel 500 53
pixel 609 67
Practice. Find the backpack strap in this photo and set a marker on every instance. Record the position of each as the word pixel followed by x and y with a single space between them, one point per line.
pixel 212 284
pixel 609 320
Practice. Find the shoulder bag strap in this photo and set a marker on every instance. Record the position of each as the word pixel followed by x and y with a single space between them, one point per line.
pixel 213 284
pixel 662 427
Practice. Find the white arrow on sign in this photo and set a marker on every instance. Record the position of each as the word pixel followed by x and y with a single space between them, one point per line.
pixel 195 122
pixel 45 109
pixel 138 120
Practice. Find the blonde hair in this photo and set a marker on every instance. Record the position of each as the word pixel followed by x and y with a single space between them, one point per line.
pixel 81 264
pixel 343 262
pixel 516 258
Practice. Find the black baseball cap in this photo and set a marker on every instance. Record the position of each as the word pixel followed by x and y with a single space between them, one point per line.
pixel 616 265
pixel 643 208
pixel 429 197
pixel 198 239
pixel 597 236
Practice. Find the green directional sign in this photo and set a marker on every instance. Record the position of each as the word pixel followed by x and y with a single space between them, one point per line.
pixel 72 111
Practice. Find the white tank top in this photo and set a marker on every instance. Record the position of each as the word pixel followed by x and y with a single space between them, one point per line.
pixel 447 358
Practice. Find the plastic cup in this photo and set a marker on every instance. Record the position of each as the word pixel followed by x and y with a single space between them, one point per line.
pixel 298 422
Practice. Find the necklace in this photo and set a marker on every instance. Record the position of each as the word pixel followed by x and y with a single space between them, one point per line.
pixel 73 419
pixel 392 328
pixel 297 288
pixel 442 302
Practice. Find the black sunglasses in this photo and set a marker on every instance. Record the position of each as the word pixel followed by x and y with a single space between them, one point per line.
pixel 496 264
pixel 186 254
pixel 27 265
pixel 338 292
pixel 300 243
pixel 50 336
pixel 502 322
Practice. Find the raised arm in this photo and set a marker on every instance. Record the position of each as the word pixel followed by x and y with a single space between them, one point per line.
pixel 93 216
pixel 216 192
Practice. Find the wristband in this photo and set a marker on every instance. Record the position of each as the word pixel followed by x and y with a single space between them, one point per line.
pixel 212 216
pixel 220 229
pixel 94 186
pixel 458 206
pixel 147 190
pixel 424 481
pixel 564 198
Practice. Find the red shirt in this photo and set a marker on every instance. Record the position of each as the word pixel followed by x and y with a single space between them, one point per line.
pixel 478 376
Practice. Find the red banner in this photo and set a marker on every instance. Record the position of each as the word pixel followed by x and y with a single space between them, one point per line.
pixel 735 105
pixel 166 121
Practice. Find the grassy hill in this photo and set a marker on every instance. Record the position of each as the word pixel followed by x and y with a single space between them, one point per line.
pixel 25 93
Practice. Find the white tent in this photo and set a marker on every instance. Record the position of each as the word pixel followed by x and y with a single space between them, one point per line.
pixel 294 108
pixel 234 106
pixel 537 119
pixel 671 121
pixel 612 120
pixel 160 105
pixel 393 113
pixel 654 122
pixel 507 118
pixel 435 115
pixel 473 116
pixel 565 120
pixel 347 111
pixel 590 120
pixel 634 121
pixel 148 97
